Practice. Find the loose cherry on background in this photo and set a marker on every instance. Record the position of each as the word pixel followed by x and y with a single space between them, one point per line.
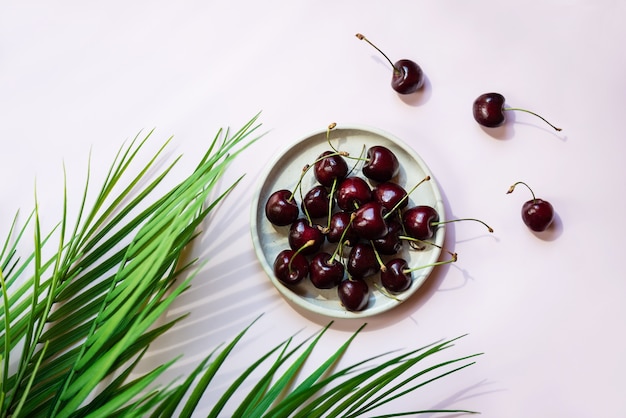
pixel 537 214
pixel 281 208
pixel 419 221
pixel 353 294
pixel 407 76
pixel 291 267
pixel 381 164
pixel 489 108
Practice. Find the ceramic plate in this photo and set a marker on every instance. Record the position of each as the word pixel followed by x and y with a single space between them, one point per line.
pixel 283 173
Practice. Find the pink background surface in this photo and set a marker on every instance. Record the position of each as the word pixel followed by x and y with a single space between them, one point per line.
pixel 547 310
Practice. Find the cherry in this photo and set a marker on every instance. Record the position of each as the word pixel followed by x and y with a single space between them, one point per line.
pixel 381 165
pixel 362 261
pixel 340 226
pixel 369 221
pixel 352 193
pixel 316 202
pixel 537 214
pixel 419 221
pixel 391 243
pixel 353 294
pixel 391 195
pixel 291 267
pixel 302 232
pixel 407 76
pixel 324 271
pixel 330 167
pixel 489 108
pixel 396 276
pixel 281 208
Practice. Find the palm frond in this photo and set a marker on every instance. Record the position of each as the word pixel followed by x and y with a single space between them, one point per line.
pixel 81 309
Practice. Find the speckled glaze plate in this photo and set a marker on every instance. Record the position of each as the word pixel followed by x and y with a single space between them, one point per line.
pixel 283 173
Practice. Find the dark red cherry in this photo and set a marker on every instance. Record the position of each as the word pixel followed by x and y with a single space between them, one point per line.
pixel 391 243
pixel 394 277
pixel 340 222
pixel 354 294
pixel 352 193
pixel 537 214
pixel 281 208
pixel 391 195
pixel 381 165
pixel 325 272
pixel 316 201
pixel 418 221
pixel 369 221
pixel 362 261
pixel 301 232
pixel 330 167
pixel 407 76
pixel 290 267
pixel 489 108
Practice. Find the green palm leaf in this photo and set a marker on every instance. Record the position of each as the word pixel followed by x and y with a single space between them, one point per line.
pixel 79 311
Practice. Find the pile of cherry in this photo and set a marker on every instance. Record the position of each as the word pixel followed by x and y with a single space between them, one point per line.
pixel 364 213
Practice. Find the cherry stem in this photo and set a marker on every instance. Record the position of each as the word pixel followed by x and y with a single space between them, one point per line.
pixel 490 229
pixel 527 186
pixel 382 265
pixel 330 202
pixel 386 293
pixel 306 244
pixel 416 240
pixel 307 167
pixel 535 114
pixel 363 38
pixel 330 128
pixel 427 178
pixel 339 246
pixel 438 263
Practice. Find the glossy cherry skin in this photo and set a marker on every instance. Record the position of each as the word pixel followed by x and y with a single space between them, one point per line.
pixel 316 201
pixel 537 214
pixel 330 168
pixel 418 221
pixel 352 193
pixel 390 195
pixel 382 164
pixel 394 279
pixel 369 221
pixel 323 273
pixel 488 109
pixel 354 294
pixel 301 232
pixel 362 261
pixel 407 77
pixel 340 222
pixel 294 273
pixel 391 243
pixel 281 208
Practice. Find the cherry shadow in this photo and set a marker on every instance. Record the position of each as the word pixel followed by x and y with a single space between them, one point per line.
pixel 554 231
